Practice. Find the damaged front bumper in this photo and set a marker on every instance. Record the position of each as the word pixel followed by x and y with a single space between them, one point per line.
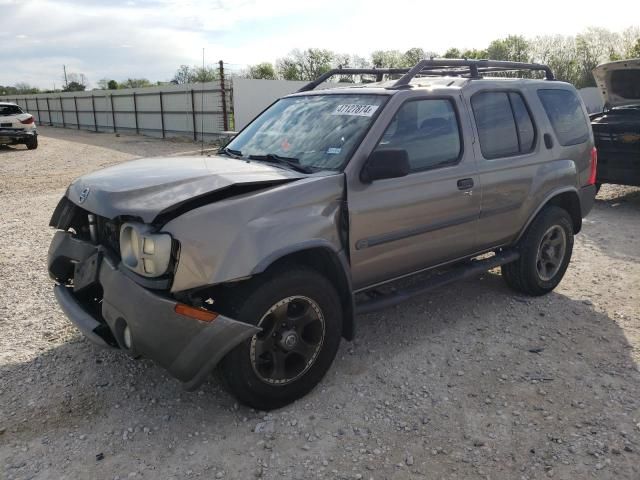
pixel 189 349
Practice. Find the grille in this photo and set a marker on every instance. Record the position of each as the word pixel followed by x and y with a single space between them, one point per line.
pixel 108 233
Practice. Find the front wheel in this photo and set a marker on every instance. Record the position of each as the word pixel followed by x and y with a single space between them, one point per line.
pixel 545 251
pixel 300 314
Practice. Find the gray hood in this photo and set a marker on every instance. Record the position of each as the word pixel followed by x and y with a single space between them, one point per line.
pixel 619 82
pixel 153 186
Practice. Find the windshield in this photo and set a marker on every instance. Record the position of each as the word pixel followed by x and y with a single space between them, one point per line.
pixel 318 131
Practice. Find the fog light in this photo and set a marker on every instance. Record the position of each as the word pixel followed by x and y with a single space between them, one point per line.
pixel 126 337
pixel 148 266
pixel 148 247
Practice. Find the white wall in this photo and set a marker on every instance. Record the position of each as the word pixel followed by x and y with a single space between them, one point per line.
pixel 251 96
pixel 97 109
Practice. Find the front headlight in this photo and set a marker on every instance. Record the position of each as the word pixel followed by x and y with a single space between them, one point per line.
pixel 143 251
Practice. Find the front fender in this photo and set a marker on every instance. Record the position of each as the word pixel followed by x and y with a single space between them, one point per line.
pixel 235 238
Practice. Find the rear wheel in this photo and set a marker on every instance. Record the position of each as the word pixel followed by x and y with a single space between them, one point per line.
pixel 545 252
pixel 32 143
pixel 300 315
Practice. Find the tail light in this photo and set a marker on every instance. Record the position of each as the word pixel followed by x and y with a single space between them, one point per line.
pixel 27 121
pixel 594 166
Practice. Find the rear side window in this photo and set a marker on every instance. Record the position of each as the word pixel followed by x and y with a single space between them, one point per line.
pixel 504 125
pixel 566 116
pixel 428 130
pixel 10 110
pixel 526 132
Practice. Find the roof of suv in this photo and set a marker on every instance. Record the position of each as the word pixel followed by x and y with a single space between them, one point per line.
pixel 432 73
pixel 427 83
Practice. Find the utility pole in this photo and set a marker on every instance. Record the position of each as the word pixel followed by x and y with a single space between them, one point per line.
pixel 225 118
pixel 66 83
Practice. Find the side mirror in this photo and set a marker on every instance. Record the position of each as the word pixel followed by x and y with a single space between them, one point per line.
pixel 385 164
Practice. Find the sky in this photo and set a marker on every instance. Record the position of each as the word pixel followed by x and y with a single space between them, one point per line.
pixel 118 39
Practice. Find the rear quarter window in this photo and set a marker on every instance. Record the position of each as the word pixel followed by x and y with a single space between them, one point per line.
pixel 564 110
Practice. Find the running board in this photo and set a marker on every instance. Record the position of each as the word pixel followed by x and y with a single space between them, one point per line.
pixel 466 270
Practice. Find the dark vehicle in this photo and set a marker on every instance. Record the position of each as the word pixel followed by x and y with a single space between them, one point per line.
pixel 617 129
pixel 259 258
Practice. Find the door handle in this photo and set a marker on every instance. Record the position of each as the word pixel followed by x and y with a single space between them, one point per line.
pixel 548 141
pixel 465 184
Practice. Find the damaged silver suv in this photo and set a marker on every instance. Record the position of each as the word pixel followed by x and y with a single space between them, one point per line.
pixel 257 259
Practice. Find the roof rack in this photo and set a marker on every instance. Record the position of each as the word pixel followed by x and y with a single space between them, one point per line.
pixel 472 69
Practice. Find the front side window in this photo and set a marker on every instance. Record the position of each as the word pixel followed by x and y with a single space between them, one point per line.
pixel 565 113
pixel 428 130
pixel 316 131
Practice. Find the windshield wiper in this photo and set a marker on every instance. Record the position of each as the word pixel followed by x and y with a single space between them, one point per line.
pixel 231 153
pixel 294 163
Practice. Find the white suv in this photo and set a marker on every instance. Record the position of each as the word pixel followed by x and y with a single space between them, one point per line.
pixel 17 126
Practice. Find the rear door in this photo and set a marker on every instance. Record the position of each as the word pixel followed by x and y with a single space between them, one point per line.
pixel 402 225
pixel 509 153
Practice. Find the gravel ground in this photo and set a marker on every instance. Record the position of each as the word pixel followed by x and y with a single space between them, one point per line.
pixel 470 381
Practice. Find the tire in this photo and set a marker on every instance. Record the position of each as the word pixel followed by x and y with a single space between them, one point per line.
pixel 265 372
pixel 554 227
pixel 32 144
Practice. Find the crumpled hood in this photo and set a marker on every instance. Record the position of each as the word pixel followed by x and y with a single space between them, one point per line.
pixel 619 82
pixel 149 187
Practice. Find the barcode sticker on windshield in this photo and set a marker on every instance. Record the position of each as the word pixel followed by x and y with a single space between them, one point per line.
pixel 357 110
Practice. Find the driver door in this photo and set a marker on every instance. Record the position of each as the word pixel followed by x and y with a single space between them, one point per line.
pixel 402 225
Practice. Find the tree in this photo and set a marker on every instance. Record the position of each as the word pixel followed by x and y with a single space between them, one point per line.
pixel 453 53
pixel 634 52
pixel 76 78
pixel 74 87
pixel 204 74
pixel 475 54
pixel 514 48
pixel 305 65
pixel 388 59
pixel 25 88
pixel 183 75
pixel 594 46
pixel 413 56
pixel 347 60
pixel 631 42
pixel 136 83
pixel 106 84
pixel 263 70
pixel 187 74
pixel 559 52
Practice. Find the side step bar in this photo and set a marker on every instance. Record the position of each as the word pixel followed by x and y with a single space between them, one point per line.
pixel 467 270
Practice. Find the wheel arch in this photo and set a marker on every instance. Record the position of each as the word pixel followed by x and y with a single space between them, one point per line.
pixel 567 199
pixel 320 256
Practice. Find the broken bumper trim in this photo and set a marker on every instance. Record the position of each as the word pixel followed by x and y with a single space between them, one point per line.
pixel 189 349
